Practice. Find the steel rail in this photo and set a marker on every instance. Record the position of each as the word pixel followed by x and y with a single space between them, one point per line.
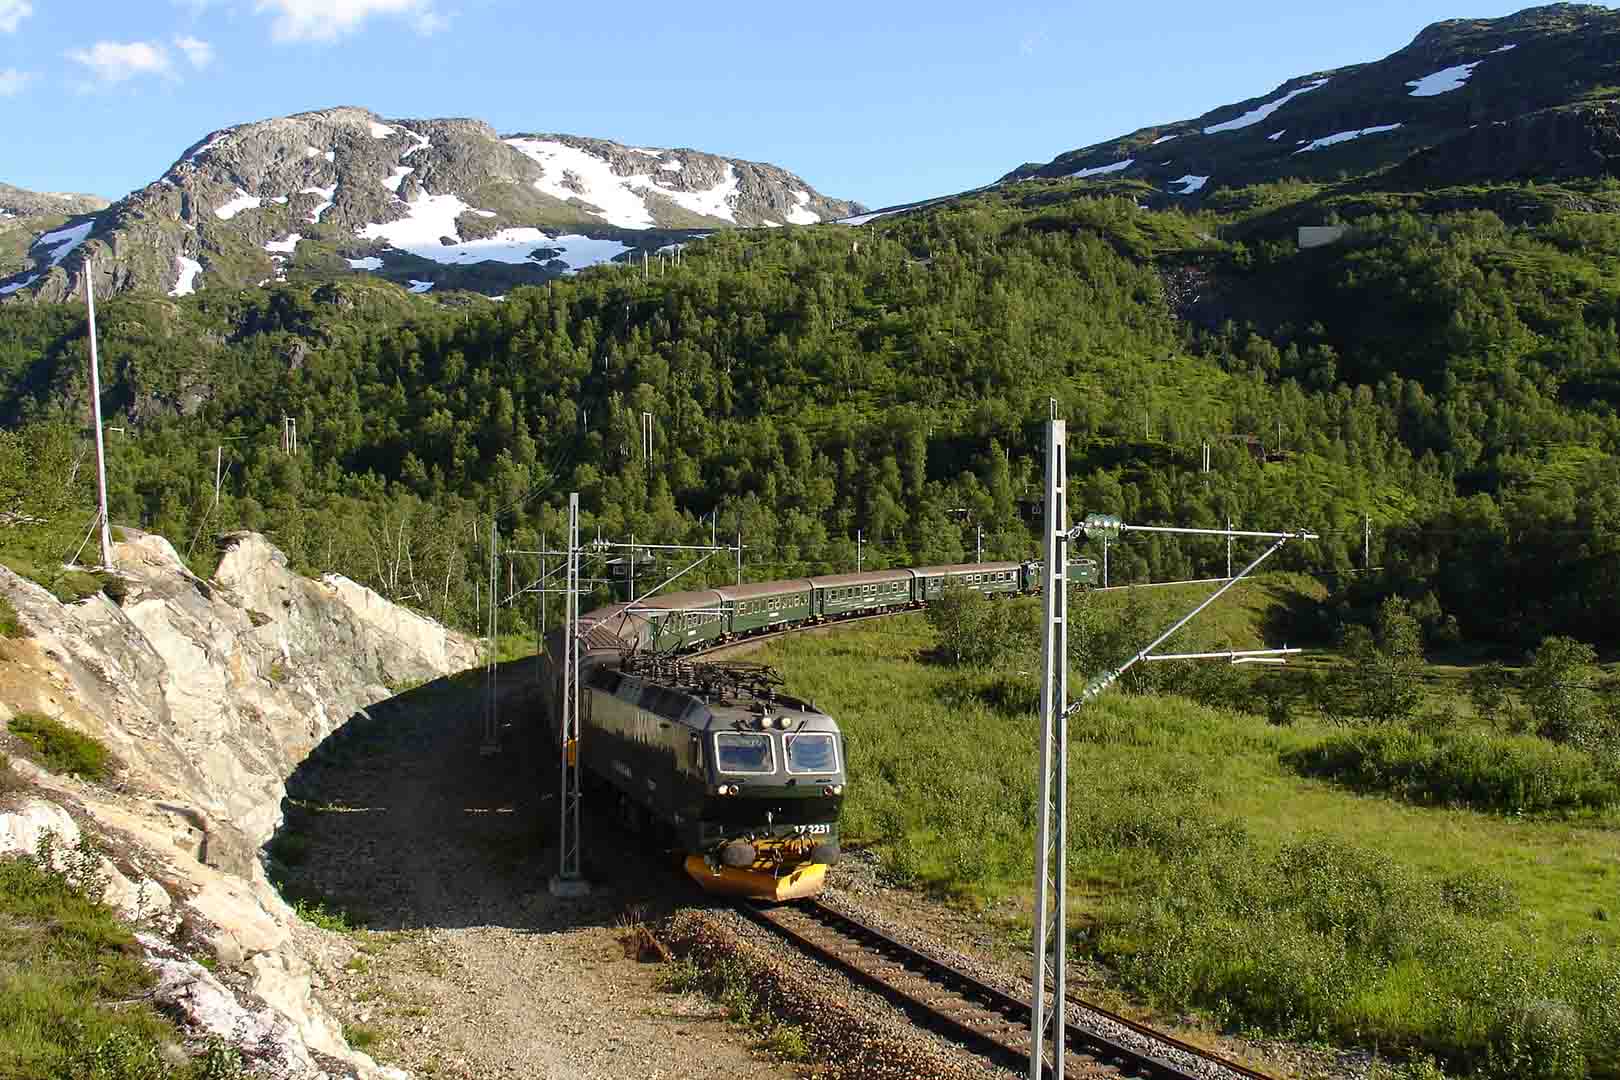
pixel 968 1010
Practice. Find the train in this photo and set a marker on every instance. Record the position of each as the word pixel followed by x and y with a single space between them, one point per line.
pixel 746 780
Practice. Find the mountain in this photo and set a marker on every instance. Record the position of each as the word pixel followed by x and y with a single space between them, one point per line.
pixel 27 219
pixel 1532 95
pixel 428 203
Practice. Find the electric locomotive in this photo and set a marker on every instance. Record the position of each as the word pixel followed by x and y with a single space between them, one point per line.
pixel 747 780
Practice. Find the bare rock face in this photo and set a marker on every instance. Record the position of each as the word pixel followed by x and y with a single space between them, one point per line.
pixel 251 204
pixel 210 694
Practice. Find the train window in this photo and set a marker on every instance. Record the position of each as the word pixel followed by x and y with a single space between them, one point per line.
pixel 811 753
pixel 741 752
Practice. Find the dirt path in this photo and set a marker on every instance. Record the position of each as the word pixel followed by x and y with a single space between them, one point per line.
pixel 468 967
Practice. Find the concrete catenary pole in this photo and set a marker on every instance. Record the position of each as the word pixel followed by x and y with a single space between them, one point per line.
pixel 95 415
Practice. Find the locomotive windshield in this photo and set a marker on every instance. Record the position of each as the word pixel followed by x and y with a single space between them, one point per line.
pixel 744 753
pixel 811 753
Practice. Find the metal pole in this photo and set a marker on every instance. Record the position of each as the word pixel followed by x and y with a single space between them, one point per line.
pixel 978 547
pixel 95 414
pixel 1105 562
pixel 739 554
pixel 219 461
pixel 1366 541
pixel 632 566
pixel 492 742
pixel 1228 545
pixel 569 881
pixel 858 543
pixel 1051 847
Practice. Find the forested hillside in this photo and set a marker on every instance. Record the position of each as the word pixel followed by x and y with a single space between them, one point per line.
pixel 1450 370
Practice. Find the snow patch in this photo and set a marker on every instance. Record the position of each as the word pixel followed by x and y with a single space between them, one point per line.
pixel 1162 139
pixel 862 219
pixel 1190 183
pixel 1100 170
pixel 671 166
pixel 1275 135
pixel 715 202
pixel 311 152
pixel 1506 48
pixel 1259 113
pixel 594 178
pixel 7 290
pixel 421 286
pixel 279 200
pixel 422 143
pixel 64 241
pixel 242 201
pixel 213 141
pixel 327 194
pixel 433 218
pixel 484 213
pixel 1443 81
pixel 330 155
pixel 284 247
pixel 801 214
pixel 1345 136
pixel 370 262
pixel 381 131
pixel 397 177
pixel 189 269
pixel 572 175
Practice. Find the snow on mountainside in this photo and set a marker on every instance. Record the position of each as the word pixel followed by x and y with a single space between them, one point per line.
pixel 30 220
pixel 426 203
pixel 1529 95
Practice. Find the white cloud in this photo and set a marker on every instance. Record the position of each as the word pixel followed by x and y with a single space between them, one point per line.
pixel 328 20
pixel 13 12
pixel 12 82
pixel 116 61
pixel 198 51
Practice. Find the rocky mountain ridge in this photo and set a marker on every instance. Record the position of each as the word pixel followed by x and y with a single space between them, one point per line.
pixel 438 203
pixel 1531 95
pixel 28 216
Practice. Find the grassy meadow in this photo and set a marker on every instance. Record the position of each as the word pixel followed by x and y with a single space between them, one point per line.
pixel 1209 869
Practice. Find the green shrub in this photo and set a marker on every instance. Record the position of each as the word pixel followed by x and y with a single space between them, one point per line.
pixel 61 749
pixel 10 625
pixel 1485 772
pixel 318 914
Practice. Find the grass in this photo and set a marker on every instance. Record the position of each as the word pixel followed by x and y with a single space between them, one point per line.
pixel 360 1036
pixel 10 625
pixel 72 984
pixel 61 749
pixel 1481 770
pixel 1209 873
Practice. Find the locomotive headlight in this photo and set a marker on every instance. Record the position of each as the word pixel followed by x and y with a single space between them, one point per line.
pixel 833 789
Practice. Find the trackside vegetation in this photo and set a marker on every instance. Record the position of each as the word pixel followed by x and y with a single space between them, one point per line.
pixel 1210 867
pixel 72 984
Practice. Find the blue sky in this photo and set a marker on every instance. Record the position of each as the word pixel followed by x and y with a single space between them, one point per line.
pixel 878 102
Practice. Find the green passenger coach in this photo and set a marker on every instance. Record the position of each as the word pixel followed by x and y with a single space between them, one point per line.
pixel 762 606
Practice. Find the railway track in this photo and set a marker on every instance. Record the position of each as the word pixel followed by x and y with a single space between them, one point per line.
pixel 967 1011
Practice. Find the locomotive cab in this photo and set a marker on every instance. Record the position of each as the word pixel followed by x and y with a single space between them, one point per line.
pixel 775 776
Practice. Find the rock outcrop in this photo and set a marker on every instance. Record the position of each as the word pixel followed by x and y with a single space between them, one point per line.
pixel 210 693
